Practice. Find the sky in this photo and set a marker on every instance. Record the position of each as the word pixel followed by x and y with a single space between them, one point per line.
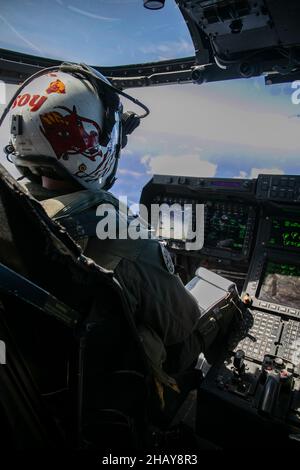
pixel 234 129
pixel 98 32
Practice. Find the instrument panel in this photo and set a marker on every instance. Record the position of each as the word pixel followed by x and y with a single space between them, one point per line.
pixel 251 231
pixel 251 234
pixel 232 209
pixel 229 214
pixel 228 227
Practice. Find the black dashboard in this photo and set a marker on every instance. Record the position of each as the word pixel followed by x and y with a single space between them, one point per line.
pixel 237 214
pixel 249 229
pixel 229 214
pixel 250 234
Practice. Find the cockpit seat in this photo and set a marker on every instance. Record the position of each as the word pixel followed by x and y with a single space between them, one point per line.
pixel 67 327
pixel 76 373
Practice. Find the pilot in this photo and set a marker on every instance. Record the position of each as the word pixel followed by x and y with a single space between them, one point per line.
pixel 66 135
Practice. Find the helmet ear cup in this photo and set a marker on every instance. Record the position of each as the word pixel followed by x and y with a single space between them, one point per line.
pixel 130 121
pixel 111 102
pixel 108 125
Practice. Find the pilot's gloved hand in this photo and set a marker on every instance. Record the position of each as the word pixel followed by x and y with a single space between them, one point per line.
pixel 219 306
pixel 217 325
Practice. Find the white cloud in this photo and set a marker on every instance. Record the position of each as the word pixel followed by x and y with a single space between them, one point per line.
pixel 138 139
pixel 170 47
pixel 126 172
pixel 91 15
pixel 187 165
pixel 266 171
pixel 242 174
pixel 207 113
pixel 126 151
pixel 254 172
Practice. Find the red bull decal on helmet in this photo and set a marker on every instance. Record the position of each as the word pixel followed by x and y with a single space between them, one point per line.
pixel 71 134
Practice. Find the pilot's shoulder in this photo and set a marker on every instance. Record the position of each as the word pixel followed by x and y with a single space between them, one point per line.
pixel 154 252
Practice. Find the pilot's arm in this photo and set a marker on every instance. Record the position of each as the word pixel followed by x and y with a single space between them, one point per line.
pixel 157 296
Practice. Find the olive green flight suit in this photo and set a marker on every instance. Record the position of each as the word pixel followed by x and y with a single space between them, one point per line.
pixel 159 301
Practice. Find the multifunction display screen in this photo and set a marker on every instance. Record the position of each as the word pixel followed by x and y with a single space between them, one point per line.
pixel 281 284
pixel 226 226
pixel 285 233
pixel 175 222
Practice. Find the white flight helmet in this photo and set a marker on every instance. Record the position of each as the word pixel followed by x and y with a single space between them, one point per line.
pixel 64 125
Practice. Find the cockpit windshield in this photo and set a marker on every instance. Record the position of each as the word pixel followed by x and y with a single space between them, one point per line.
pixel 230 129
pixel 98 32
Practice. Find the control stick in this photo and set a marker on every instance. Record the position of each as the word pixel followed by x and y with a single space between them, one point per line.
pixel 238 361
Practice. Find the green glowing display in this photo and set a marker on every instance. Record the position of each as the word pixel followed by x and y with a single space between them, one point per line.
pixel 283 269
pixel 285 233
pixel 226 226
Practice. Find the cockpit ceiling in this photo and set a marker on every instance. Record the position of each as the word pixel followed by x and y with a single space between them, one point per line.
pixel 229 27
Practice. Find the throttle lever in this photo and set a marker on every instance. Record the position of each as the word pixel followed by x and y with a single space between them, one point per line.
pixel 270 394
